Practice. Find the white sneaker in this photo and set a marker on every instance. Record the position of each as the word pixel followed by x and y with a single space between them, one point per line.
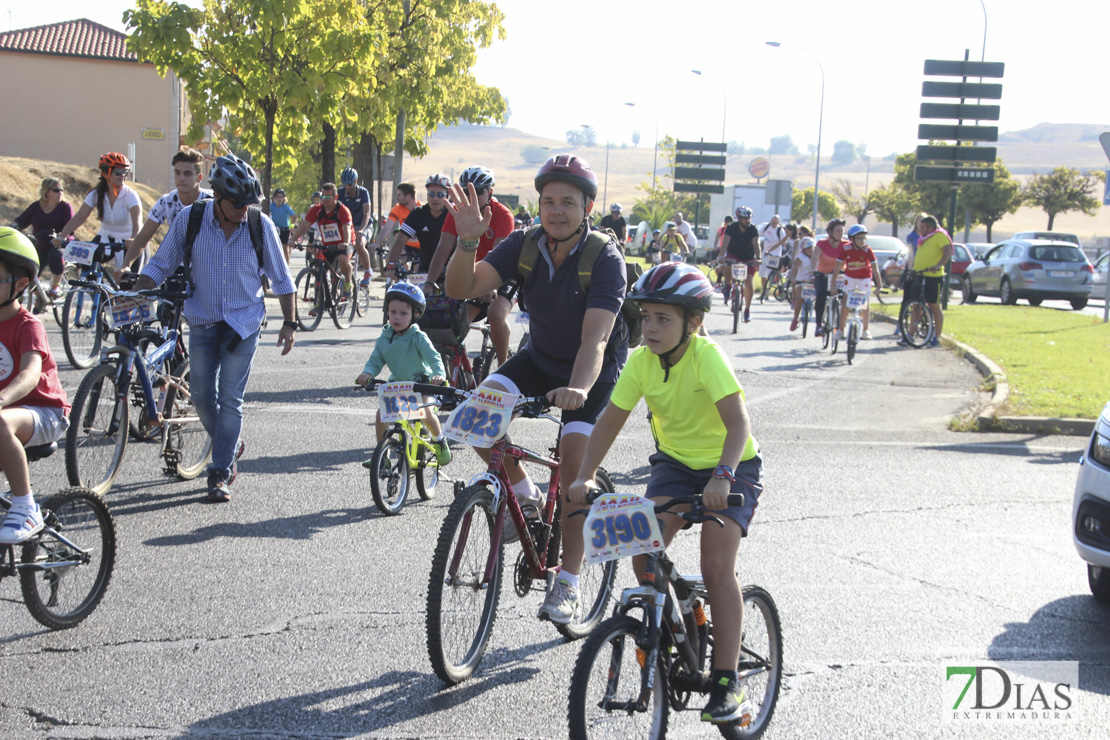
pixel 840 336
pixel 867 335
pixel 561 603
pixel 21 523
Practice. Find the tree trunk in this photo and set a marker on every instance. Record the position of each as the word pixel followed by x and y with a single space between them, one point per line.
pixel 327 154
pixel 268 169
pixel 1051 218
pixel 363 159
pixel 894 228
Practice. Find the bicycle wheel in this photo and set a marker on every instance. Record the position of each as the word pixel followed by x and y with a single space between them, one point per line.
pixel 595 582
pixel 82 333
pixel 917 331
pixel 781 291
pixel 605 686
pixel 389 476
pixel 736 300
pixel 309 304
pixel 427 469
pixel 853 340
pixel 187 444
pixel 71 581
pixel 805 318
pixel 97 435
pixel 760 666
pixel 362 300
pixel 343 310
pixel 461 605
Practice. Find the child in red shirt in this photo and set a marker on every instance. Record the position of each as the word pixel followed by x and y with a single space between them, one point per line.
pixel 858 262
pixel 33 406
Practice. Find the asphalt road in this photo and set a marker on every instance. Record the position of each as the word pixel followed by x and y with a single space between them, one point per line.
pixel 892 546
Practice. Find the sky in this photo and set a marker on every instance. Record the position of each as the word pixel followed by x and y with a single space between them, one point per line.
pixel 582 65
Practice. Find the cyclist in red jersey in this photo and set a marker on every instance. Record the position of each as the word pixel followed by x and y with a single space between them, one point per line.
pixel 334 222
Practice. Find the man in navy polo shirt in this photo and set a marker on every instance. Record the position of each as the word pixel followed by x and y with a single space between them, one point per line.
pixel 575 350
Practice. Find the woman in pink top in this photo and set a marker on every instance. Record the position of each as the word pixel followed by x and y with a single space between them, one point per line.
pixel 826 252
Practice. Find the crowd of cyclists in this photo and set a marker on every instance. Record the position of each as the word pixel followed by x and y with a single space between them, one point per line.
pixel 465 246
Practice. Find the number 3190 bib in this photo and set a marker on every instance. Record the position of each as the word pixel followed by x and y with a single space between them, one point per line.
pixel 621 525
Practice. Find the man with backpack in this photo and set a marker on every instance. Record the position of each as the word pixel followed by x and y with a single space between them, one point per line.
pixel 225 248
pixel 573 282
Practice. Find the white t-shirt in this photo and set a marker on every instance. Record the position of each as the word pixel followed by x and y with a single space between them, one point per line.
pixel 169 205
pixel 116 223
pixel 771 235
pixel 686 233
pixel 805 268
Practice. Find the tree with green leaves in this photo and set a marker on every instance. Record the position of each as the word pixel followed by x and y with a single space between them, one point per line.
pixel 894 205
pixel 801 206
pixel 857 206
pixel 844 152
pixel 990 202
pixel 1062 190
pixel 259 62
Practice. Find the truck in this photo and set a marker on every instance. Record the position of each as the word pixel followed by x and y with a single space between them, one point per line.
pixel 752 196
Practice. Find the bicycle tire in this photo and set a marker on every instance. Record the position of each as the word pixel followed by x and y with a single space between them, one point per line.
pixel 389 474
pixel 455 651
pixel 343 311
pixel 82 331
pixel 853 340
pixel 97 436
pixel 427 468
pixel 805 319
pixel 59 598
pixel 761 658
pixel 737 292
pixel 595 582
pixel 362 300
pixel 190 441
pixel 826 337
pixel 916 333
pixel 309 297
pixel 608 653
pixel 781 292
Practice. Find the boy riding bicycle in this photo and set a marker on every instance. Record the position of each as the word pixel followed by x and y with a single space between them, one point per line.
pixel 408 353
pixel 704 445
pixel 33 406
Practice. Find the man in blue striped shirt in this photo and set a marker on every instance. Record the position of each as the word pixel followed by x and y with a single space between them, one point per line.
pixel 227 308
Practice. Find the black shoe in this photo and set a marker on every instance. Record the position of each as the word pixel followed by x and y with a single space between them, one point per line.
pixel 727 703
pixel 218 492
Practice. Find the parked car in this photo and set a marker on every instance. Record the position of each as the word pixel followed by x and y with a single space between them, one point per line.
pixel 961 260
pixel 1098 280
pixel 888 250
pixel 1054 236
pixel 1091 509
pixel 1032 269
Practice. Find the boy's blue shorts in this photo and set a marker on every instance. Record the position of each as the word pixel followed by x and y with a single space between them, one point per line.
pixel 670 478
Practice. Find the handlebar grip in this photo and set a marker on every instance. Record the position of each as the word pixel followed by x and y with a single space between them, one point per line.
pixel 443 391
pixel 736 499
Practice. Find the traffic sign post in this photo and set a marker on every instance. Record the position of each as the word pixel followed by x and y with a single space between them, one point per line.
pixel 706 175
pixel 953 170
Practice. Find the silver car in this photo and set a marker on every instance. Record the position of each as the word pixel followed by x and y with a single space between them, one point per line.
pixel 1033 269
pixel 1098 281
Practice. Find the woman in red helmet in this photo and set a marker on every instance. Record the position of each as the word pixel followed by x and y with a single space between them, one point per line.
pixel 117 206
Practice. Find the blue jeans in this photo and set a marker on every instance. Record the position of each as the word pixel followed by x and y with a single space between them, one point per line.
pixel 217 380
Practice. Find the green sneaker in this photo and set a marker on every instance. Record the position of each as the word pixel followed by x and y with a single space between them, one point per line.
pixel 727 703
pixel 443 452
pixel 368 463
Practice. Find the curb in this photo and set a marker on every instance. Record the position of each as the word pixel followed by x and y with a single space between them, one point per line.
pixel 989 419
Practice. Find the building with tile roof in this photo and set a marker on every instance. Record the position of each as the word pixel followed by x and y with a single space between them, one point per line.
pixel 82 93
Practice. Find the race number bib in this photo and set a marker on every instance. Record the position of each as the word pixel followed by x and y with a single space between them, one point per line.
pixel 739 272
pixel 809 292
pixel 481 419
pixel 329 233
pixel 79 252
pixel 857 299
pixel 126 309
pixel 397 401
pixel 841 281
pixel 418 279
pixel 621 525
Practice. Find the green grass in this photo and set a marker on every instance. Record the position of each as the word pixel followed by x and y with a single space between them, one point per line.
pixel 1057 362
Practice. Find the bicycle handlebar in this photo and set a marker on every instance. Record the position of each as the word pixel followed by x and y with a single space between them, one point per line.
pixel 696 515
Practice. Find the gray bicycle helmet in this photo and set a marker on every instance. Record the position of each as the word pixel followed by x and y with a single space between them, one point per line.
pixel 349 176
pixel 482 177
pixel 234 179
pixel 744 212
pixel 438 180
pixel 615 208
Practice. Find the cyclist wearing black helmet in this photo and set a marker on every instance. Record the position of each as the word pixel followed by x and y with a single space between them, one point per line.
pixel 740 244
pixel 424 224
pixel 360 204
pixel 616 222
pixel 226 310
pixel 576 348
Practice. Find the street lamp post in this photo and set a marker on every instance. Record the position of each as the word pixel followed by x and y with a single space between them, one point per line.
pixel 605 186
pixel 724 101
pixel 820 125
pixel 655 145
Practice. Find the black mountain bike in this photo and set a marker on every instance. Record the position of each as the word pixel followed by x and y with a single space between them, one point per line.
pixel 320 291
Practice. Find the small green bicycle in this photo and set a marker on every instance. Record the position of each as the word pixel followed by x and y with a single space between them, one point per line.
pixel 406 447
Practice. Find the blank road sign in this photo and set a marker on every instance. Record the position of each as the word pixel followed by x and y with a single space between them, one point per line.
pixel 956 153
pixel 981 90
pixel 961 111
pixel 963 68
pixel 943 131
